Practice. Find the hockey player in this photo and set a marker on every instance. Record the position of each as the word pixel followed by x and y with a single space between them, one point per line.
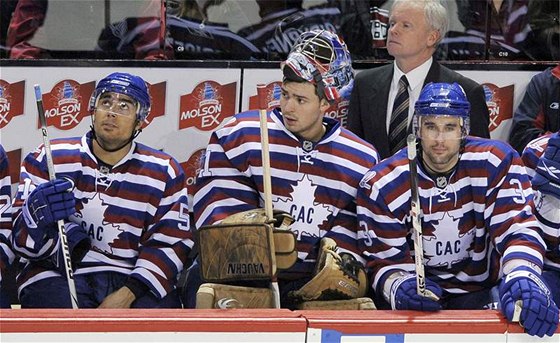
pixel 542 160
pixel 6 254
pixel 476 217
pixel 315 164
pixel 124 206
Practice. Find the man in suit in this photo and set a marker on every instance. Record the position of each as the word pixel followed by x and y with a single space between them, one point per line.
pixel 415 29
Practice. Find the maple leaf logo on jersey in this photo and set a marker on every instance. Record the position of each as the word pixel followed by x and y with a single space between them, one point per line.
pixel 92 218
pixel 308 214
pixel 447 245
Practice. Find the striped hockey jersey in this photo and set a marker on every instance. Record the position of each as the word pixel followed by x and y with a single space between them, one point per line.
pixel 135 214
pixel 6 254
pixel 314 182
pixel 473 221
pixel 547 207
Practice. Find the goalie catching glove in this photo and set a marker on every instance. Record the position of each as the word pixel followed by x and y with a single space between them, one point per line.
pixel 336 277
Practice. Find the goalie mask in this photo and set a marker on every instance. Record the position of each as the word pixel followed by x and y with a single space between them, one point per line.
pixel 127 84
pixel 321 58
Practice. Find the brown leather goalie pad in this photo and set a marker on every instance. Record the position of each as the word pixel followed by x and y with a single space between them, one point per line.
pixel 246 246
pixel 234 252
pixel 350 304
pixel 212 295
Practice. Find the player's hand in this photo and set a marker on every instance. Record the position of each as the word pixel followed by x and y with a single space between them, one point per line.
pixel 49 202
pixel 405 297
pixel 121 298
pixel 539 314
pixel 547 176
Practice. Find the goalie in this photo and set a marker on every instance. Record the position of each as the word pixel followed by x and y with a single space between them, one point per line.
pixel 315 166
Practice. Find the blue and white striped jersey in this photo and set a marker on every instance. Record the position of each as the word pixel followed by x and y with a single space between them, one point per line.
pixel 314 182
pixel 135 214
pixel 547 207
pixel 473 221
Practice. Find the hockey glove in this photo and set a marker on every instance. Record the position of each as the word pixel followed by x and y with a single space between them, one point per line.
pixel 405 297
pixel 547 176
pixel 539 314
pixel 78 244
pixel 48 203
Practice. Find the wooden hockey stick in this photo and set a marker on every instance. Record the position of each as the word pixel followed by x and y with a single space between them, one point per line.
pixel 267 182
pixel 60 223
pixel 416 220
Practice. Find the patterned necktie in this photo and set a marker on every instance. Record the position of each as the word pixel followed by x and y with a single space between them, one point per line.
pixel 399 118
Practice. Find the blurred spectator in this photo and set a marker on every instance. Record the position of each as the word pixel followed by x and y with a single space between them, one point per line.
pixel 544 18
pixel 27 17
pixel 283 21
pixel 539 111
pixel 66 29
pixel 363 26
pixel 507 22
pixel 7 7
pixel 189 36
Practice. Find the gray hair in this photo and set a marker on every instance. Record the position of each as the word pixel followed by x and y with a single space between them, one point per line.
pixel 434 12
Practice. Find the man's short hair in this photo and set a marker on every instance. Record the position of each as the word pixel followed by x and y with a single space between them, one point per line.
pixel 434 12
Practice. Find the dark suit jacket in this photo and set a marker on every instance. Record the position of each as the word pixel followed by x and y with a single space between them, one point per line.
pixel 367 111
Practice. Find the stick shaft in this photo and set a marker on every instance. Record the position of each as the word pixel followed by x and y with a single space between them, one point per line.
pixel 60 223
pixel 267 182
pixel 415 214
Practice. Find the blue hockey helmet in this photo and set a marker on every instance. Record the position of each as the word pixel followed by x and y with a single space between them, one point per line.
pixel 321 58
pixel 127 84
pixel 442 99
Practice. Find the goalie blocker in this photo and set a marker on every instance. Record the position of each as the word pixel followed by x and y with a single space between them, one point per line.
pixel 239 250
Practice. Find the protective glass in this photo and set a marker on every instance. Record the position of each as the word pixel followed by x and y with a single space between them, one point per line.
pixel 117 104
pixel 441 127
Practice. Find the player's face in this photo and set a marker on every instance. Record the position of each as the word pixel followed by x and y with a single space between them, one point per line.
pixel 441 140
pixel 302 110
pixel 115 119
pixel 410 37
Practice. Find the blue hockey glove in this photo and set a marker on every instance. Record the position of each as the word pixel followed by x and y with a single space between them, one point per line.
pixel 539 314
pixel 547 176
pixel 48 203
pixel 78 245
pixel 405 297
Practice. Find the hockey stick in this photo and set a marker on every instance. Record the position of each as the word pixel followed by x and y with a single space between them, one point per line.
pixel 60 223
pixel 267 182
pixel 416 221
